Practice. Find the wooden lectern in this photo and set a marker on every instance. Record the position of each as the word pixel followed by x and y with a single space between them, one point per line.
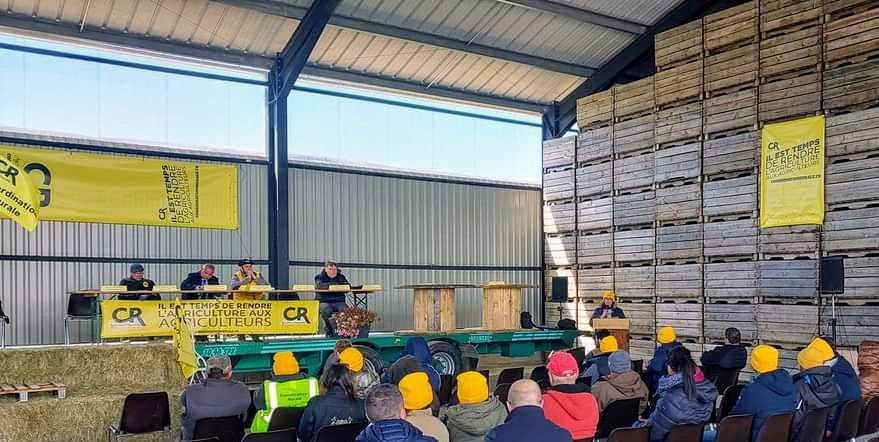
pixel 618 328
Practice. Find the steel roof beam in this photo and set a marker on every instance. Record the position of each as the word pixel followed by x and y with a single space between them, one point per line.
pixel 582 15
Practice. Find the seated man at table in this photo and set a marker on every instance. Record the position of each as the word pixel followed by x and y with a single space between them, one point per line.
pixel 330 302
pixel 244 279
pixel 136 282
pixel 198 280
pixel 216 396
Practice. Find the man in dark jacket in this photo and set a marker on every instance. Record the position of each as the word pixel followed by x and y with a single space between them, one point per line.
pixel 330 302
pixel 730 356
pixel 198 280
pixel 666 337
pixel 816 388
pixel 771 392
pixel 844 373
pixel 135 283
pixel 216 396
pixel 384 408
pixel 526 422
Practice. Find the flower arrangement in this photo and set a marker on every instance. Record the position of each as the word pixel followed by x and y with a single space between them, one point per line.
pixel 350 321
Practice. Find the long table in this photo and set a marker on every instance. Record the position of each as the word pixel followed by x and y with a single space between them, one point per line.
pixel 358 296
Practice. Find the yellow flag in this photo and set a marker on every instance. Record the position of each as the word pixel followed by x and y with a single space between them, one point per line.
pixel 19 197
pixel 184 345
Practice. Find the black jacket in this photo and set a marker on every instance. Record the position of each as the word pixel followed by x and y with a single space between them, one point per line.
pixel 322 281
pixel 527 424
pixel 332 408
pixel 725 357
pixel 616 312
pixel 816 388
pixel 193 281
pixel 133 285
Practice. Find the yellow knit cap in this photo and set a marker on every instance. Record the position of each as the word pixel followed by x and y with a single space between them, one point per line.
pixel 608 344
pixel 823 348
pixel 609 294
pixel 416 390
pixel 666 335
pixel 810 357
pixel 472 387
pixel 285 364
pixel 351 358
pixel 764 358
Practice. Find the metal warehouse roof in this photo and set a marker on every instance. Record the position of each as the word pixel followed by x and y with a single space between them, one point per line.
pixel 511 53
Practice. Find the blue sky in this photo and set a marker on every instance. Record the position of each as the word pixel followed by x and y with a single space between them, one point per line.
pixel 70 97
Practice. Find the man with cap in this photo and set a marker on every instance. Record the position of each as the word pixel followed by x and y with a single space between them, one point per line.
pixel 608 308
pixel 567 403
pixel 771 391
pixel 362 377
pixel 288 387
pixel 216 396
pixel 417 396
pixel 526 421
pixel 244 279
pixel 330 302
pixel 137 282
pixel 816 388
pixel 596 366
pixel 843 371
pixel 622 383
pixel 666 338
pixel 476 413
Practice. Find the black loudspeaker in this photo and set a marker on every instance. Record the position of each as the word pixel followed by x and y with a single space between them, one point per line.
pixel 833 275
pixel 559 289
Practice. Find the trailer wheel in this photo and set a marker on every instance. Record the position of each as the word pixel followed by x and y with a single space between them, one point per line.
pixel 371 359
pixel 446 357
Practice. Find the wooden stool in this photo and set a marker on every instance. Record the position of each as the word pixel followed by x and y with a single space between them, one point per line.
pixel 502 305
pixel 434 306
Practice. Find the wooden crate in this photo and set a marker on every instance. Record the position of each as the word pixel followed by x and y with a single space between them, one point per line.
pixel 861 279
pixel 793 95
pixel 595 215
pixel 852 133
pixel 556 311
pixel 559 152
pixel 851 232
pixel 559 251
pixel 633 99
pixel 595 179
pixel 789 280
pixel 634 282
pixel 641 314
pixel 634 209
pixel 678 45
pixel 787 358
pixel 678 163
pixel 571 274
pixel 676 244
pixel 853 86
pixel 595 145
pixel 791 52
pixel 595 109
pixel 789 242
pixel 787 324
pixel 679 124
pixel 679 85
pixel 633 136
pixel 852 183
pixel 730 238
pixel 678 203
pixel 779 16
pixel 595 250
pixel 642 348
pixel 593 282
pixel 633 174
pixel 559 217
pixel 730 199
pixel 634 245
pixel 736 111
pixel 854 324
pixel 851 34
pixel 558 184
pixel 735 153
pixel 718 317
pixel 731 281
pixel 681 281
pixel 686 318
pixel 731 70
pixel 731 27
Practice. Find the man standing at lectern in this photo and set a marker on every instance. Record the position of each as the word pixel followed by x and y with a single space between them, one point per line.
pixel 330 302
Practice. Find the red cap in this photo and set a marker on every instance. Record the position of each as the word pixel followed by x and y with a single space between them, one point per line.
pixel 562 364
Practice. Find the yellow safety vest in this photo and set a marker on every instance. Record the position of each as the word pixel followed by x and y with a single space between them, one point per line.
pixel 295 393
pixel 243 291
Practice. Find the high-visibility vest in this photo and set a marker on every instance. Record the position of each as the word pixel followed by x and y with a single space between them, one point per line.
pixel 295 393
pixel 243 291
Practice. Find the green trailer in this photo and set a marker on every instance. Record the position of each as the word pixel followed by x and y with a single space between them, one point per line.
pixel 452 352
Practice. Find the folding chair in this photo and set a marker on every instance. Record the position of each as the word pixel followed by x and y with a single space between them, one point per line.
pixel 870 419
pixel 685 433
pixel 776 428
pixel 724 378
pixel 729 399
pixel 619 414
pixel 79 308
pixel 143 413
pixel 510 375
pixel 641 434
pixel 735 428
pixel 4 321
pixel 224 429
pixel 288 435
pixel 847 421
pixel 447 382
pixel 284 418
pixel 813 426
pixel 340 433
pixel 502 391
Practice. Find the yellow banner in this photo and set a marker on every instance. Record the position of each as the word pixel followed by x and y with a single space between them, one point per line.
pixel 792 173
pixel 97 188
pixel 19 198
pixel 127 319
pixel 184 344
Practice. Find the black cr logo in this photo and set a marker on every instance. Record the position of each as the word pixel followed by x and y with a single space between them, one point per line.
pixel 773 145
pixel 125 315
pixel 296 314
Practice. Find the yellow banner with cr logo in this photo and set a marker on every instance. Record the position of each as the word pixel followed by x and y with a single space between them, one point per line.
pixel 116 189
pixel 128 319
pixel 792 173
pixel 19 198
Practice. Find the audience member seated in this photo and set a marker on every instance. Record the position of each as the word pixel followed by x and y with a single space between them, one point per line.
pixel 596 366
pixel 384 408
pixel 622 383
pixel 816 388
pixel 417 347
pixel 729 356
pixel 667 340
pixel 567 403
pixel 216 396
pixel 336 405
pixel 844 373
pixel 417 397
pixel 526 421
pixel 400 368
pixel 137 282
pixel 363 378
pixel 597 337
pixel 333 358
pixel 287 388
pixel 685 396
pixel 476 413
pixel 771 391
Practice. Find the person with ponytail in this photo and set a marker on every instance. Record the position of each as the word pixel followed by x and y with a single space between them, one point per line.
pixel 685 396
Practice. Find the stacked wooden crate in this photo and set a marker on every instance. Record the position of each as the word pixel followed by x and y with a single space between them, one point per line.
pixel 851 71
pixel 559 211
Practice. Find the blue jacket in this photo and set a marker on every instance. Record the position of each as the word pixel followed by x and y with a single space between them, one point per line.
pixel 417 348
pixel 674 408
pixel 392 430
pixel 527 424
pixel 847 379
pixel 770 393
pixel 656 368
